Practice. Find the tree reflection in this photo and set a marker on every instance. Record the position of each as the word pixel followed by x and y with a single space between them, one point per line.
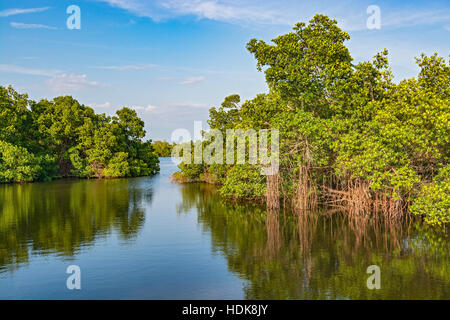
pixel 321 255
pixel 63 216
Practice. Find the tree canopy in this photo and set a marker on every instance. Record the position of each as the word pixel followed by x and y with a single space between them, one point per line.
pixel 163 148
pixel 349 135
pixel 62 138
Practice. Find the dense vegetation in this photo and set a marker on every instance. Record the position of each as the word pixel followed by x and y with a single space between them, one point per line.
pixel 162 148
pixel 43 140
pixel 349 135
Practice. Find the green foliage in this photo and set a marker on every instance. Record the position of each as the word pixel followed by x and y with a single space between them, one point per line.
pixel 244 181
pixel 433 201
pixel 62 138
pixel 163 148
pixel 307 66
pixel 227 116
pixel 17 164
pixel 192 170
pixel 341 122
pixel 118 166
pixel 14 116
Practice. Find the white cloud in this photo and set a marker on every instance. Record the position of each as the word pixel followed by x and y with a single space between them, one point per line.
pixel 19 25
pixel 58 80
pixel 161 68
pixel 64 82
pixel 351 14
pixel 107 104
pixel 148 108
pixel 171 108
pixel 15 11
pixel 29 58
pixel 134 6
pixel 189 105
pixel 128 67
pixel 8 68
pixel 223 10
pixel 192 80
pixel 412 18
pixel 355 18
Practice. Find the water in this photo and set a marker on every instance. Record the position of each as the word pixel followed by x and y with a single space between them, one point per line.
pixel 149 238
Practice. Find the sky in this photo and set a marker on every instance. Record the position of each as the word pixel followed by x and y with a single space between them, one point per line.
pixel 171 60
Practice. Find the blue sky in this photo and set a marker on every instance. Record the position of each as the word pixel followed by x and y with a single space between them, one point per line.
pixel 171 60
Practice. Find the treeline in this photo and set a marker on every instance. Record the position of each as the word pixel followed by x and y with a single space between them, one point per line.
pixel 349 136
pixel 163 148
pixel 40 141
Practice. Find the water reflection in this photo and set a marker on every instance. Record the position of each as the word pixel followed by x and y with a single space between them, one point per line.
pixel 321 255
pixel 255 254
pixel 64 216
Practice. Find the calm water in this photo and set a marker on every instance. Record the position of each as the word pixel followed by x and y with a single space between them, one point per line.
pixel 148 238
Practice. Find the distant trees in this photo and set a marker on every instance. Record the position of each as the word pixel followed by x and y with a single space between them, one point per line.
pixel 162 148
pixel 62 138
pixel 349 135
